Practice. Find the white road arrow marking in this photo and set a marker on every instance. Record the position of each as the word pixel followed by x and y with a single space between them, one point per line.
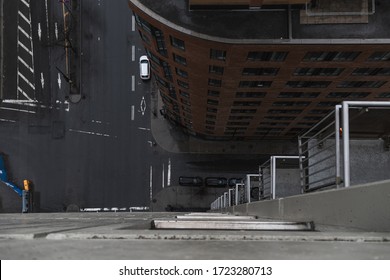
pixel 42 81
pixel 56 30
pixel 39 31
pixel 169 173
pixel 143 105
pixel 59 81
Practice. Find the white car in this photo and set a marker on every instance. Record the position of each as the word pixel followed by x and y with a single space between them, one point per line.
pixel 144 67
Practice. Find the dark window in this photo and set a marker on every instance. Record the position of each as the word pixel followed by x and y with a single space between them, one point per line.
pixel 215 82
pixel 177 43
pixel 143 23
pixel 279 118
pixel 267 56
pixel 243 111
pixel 238 123
pixel 159 36
pixel 250 94
pixel 212 117
pixel 210 122
pixel 311 118
pixel 264 84
pixel 380 56
pixel 371 72
pixel 291 112
pixel 308 84
pixel 246 103
pixel 216 70
pixel 179 59
pixel 274 124
pixel 212 110
pixel 217 54
pixel 347 94
pixel 184 94
pixel 181 73
pixel 361 84
pixel 291 103
pixel 330 56
pixel 260 71
pixel 327 104
pixel 172 92
pixel 318 71
pixel 319 112
pixel 298 94
pixel 240 117
pixel 212 102
pixel 384 95
pixel 167 71
pixel 161 81
pixel 182 84
pixel 209 128
pixel 185 102
pixel 213 93
pixel 157 60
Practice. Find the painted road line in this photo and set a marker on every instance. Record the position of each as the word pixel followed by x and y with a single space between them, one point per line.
pixel 169 173
pixel 89 132
pixel 132 112
pixel 25 64
pixel 18 110
pixel 26 3
pixel 151 183
pixel 56 30
pixel 24 32
pixel 39 31
pixel 6 120
pixel 132 23
pixel 25 48
pixel 47 20
pixel 42 81
pixel 144 128
pixel 132 83
pixel 163 175
pixel 24 17
pixel 143 105
pixel 133 53
pixel 26 80
pixel 59 81
pixel 25 94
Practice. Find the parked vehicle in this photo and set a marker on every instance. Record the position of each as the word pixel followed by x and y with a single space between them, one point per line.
pixel 190 181
pixel 216 182
pixel 144 67
pixel 233 181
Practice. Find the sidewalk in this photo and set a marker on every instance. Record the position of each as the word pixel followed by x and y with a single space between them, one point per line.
pixel 171 138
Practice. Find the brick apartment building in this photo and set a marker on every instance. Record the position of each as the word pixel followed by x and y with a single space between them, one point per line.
pixel 266 69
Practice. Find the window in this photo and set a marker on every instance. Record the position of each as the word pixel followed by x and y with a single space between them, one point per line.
pixel 298 94
pixel 264 84
pixel 330 56
pixel 185 101
pixel 159 36
pixel 250 94
pixel 179 59
pixel 319 112
pixel 215 82
pixel 212 117
pixel 384 95
pixel 143 24
pixel 361 84
pixel 308 84
pixel 243 111
pixel 274 124
pixel 318 71
pixel 177 43
pixel 182 84
pixel 291 103
pixel 144 37
pixel 327 104
pixel 260 71
pixel 291 112
pixel 240 117
pixel 167 71
pixel 213 93
pixel 210 122
pixel 184 94
pixel 181 73
pixel 380 56
pixel 238 123
pixel 371 72
pixel 212 102
pixel 172 92
pixel 218 54
pixel 347 94
pixel 161 81
pixel 212 110
pixel 267 56
pixel 246 103
pixel 216 70
pixel 279 118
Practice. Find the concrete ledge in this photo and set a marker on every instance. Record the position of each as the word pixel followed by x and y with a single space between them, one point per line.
pixel 366 207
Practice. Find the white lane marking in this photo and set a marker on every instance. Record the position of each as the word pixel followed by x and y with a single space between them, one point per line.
pixel 133 53
pixel 133 83
pixel 89 132
pixel 144 128
pixel 132 23
pixel 24 32
pixel 6 120
pixel 163 171
pixel 26 80
pixel 26 3
pixel 59 81
pixel 56 30
pixel 42 81
pixel 151 183
pixel 143 105
pixel 25 48
pixel 25 64
pixel 39 31
pixel 100 122
pixel 24 94
pixel 47 20
pixel 18 110
pixel 24 17
pixel 132 112
pixel 169 173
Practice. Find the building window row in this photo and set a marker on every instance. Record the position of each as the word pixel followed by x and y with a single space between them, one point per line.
pixel 268 71
pixel 218 70
pixel 298 94
pixel 318 71
pixel 250 94
pixel 330 56
pixel 371 72
pixel 255 84
pixel 267 56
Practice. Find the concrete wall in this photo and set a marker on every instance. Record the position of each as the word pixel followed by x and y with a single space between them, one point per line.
pixel 366 207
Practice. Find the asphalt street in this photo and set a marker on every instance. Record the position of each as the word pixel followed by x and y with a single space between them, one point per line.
pixel 98 152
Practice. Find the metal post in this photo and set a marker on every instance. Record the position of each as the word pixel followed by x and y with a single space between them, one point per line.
pixel 248 188
pixel 273 175
pixel 301 164
pixel 346 144
pixel 337 138
pixel 236 200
